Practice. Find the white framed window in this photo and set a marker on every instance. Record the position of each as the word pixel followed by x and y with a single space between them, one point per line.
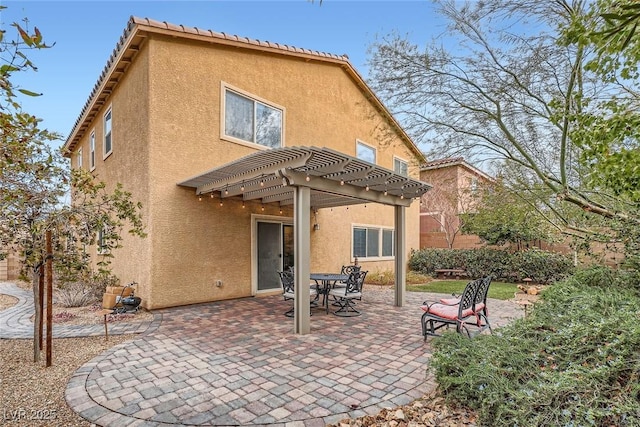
pixel 365 152
pixel 100 242
pixel 371 242
pixel 400 166
pixel 473 185
pixel 92 150
pixel 249 119
pixel 79 158
pixel 108 142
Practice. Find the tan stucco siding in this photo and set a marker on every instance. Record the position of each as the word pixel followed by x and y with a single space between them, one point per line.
pixel 128 163
pixel 193 244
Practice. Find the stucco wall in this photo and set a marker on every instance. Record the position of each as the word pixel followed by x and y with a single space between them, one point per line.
pixel 167 128
pixel 128 164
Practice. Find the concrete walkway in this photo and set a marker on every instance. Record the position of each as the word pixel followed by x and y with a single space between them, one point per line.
pixel 15 322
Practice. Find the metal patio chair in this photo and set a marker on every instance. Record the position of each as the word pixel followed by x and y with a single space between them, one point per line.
pixel 288 290
pixel 346 296
pixel 469 309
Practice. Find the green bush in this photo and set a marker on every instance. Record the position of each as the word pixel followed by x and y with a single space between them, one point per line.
pixel 574 361
pixel 541 266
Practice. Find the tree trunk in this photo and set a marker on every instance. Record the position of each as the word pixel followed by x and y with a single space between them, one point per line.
pixel 37 282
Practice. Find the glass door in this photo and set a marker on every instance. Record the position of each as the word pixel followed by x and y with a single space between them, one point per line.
pixel 275 253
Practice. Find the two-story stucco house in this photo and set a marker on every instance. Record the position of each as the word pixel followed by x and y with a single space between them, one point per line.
pixel 455 183
pixel 248 157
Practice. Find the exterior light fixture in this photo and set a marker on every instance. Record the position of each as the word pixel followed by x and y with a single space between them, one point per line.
pixel 211 195
pixel 243 204
pixel 226 190
pixel 385 192
pixel 342 182
pixel 262 208
pixel 199 197
pixel 262 183
pixel 242 186
pixel 366 188
pixel 308 178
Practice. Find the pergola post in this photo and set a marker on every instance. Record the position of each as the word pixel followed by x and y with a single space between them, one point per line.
pixel 400 251
pixel 302 255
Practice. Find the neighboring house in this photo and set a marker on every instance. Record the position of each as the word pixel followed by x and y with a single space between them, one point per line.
pixel 179 108
pixel 10 266
pixel 455 182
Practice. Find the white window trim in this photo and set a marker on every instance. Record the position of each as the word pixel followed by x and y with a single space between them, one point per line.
pixel 106 154
pixel 380 228
pixel 375 151
pixel 79 158
pixel 400 159
pixel 92 150
pixel 223 88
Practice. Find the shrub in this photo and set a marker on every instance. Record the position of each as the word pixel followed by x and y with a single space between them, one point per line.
pixel 75 295
pixel 541 266
pixel 63 316
pixel 388 278
pixel 573 361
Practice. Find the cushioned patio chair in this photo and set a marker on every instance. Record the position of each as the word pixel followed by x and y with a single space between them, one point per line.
pixel 288 290
pixel 346 296
pixel 469 309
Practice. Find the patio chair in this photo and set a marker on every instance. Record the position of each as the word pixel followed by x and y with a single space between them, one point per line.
pixel 466 310
pixel 346 269
pixel 288 290
pixel 480 303
pixel 347 295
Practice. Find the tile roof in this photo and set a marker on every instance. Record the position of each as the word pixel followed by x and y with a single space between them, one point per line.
pixel 230 37
pixel 440 163
pixel 129 45
pixel 453 161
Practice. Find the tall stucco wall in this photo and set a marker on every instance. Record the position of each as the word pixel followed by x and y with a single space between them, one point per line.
pixel 128 164
pixel 197 243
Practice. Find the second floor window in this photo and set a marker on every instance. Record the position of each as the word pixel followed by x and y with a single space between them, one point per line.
pixel 92 150
pixel 400 167
pixel 365 152
pixel 107 133
pixel 251 120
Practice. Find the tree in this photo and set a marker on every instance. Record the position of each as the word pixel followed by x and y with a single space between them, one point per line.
pixel 35 184
pixel 503 217
pixel 520 87
pixel 447 202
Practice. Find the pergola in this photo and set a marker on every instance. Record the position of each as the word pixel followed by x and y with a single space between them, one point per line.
pixel 311 178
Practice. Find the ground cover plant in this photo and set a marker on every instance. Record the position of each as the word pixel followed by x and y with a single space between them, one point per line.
pixel 497 290
pixel 574 361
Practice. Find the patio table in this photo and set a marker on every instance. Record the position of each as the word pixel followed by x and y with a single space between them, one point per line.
pixel 324 282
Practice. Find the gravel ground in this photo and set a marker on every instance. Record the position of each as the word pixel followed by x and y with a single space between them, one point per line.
pixel 33 395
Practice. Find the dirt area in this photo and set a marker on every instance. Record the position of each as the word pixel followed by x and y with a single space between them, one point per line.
pixel 7 301
pixel 91 315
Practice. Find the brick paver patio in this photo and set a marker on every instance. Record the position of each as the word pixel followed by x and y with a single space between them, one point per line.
pixel 238 363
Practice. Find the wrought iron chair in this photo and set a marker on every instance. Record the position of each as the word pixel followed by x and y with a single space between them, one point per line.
pixel 347 270
pixel 288 290
pixel 346 296
pixel 458 311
